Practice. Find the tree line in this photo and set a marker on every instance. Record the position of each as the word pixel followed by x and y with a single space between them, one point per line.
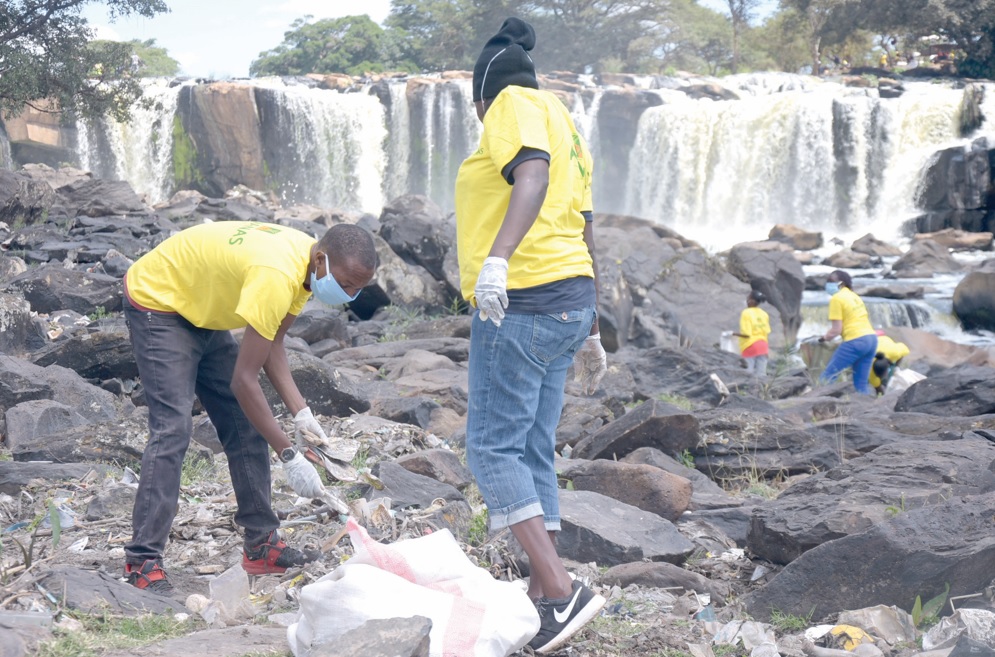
pixel 643 36
pixel 48 55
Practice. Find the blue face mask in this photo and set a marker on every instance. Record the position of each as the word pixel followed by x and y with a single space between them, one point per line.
pixel 328 290
pixel 832 287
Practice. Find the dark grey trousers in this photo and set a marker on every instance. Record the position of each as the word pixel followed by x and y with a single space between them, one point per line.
pixel 176 361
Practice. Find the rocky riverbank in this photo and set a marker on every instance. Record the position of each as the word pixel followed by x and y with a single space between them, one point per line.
pixel 720 514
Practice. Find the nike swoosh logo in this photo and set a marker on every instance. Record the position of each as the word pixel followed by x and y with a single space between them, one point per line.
pixel 561 617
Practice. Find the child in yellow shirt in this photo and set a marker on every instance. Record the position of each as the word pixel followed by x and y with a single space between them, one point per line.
pixel 754 327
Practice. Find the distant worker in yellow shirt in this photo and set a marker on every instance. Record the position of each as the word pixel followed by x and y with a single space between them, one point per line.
pixel 754 327
pixel 181 301
pixel 886 360
pixel 848 317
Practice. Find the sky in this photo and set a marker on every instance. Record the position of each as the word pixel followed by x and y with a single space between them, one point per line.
pixel 220 38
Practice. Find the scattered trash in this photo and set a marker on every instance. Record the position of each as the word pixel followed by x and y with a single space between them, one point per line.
pixel 977 624
pixel 79 545
pixel 891 624
pixel 751 633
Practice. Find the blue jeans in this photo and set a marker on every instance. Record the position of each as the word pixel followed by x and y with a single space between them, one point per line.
pixel 517 374
pixel 857 353
pixel 176 361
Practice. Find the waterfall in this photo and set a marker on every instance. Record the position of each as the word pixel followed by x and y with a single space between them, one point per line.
pixel 828 158
pixel 585 118
pixel 139 151
pixel 333 153
pixel 398 150
pixel 6 162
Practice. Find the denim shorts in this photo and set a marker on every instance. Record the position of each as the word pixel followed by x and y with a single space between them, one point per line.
pixel 517 374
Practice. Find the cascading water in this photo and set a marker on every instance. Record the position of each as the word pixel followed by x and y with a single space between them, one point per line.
pixel 139 151
pixel 585 118
pixel 830 158
pixel 334 146
pixel 398 150
pixel 6 162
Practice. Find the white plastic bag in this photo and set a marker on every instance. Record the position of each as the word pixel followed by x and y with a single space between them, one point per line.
pixel 473 614
pixel 902 380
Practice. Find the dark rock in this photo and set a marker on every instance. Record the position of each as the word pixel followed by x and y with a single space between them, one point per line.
pixel 642 486
pixel 101 352
pixel 848 259
pixel 23 381
pixel 406 410
pixel 113 502
pixel 651 424
pixel 974 300
pixel 867 491
pixel 399 283
pixel 93 592
pixel 618 116
pixel 318 322
pixel 327 391
pixel 598 528
pixel 916 553
pixel 964 390
pixel 706 494
pixel 389 637
pixel 923 259
pixel 439 464
pixel 418 230
pixel 58 436
pixel 779 276
pixel 377 354
pixel 872 246
pixel 14 476
pixel 406 488
pixel 16 327
pixel 797 238
pixel 23 201
pixel 663 575
pixel 53 287
pixel 95 197
pixel 730 522
pixel 681 372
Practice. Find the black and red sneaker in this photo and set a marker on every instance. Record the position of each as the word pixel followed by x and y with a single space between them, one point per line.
pixel 274 557
pixel 149 576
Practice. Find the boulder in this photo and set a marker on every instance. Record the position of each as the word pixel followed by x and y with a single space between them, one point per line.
pixel 53 287
pixel 642 486
pixel 778 276
pixel 959 240
pixel 439 464
pixel 965 390
pixel 419 231
pixel 415 410
pixel 848 259
pixel 923 259
pixel 387 637
pixel 17 475
pixel 663 575
pixel 60 435
pixel 23 201
pixel 597 528
pixel 22 381
pixel 797 238
pixel 918 553
pixel 96 197
pixel 974 299
pixel 651 424
pixel 399 283
pixel 17 332
pixel 872 246
pixel 869 490
pixel 327 391
pixel 618 116
pixel 406 488
pixel 705 494
pixel 101 351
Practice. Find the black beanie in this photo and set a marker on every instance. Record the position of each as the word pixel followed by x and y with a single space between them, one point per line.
pixel 505 60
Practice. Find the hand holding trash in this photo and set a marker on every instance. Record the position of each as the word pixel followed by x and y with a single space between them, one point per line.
pixel 491 289
pixel 303 478
pixel 590 363
pixel 307 429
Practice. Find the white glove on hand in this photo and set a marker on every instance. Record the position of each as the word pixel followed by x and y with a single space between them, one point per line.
pixel 303 478
pixel 491 290
pixel 306 428
pixel 590 363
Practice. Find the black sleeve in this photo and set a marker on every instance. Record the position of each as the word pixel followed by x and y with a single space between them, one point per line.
pixel 523 155
pixel 588 215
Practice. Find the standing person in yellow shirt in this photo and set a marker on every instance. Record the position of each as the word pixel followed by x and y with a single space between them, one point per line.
pixel 525 239
pixel 754 327
pixel 848 317
pixel 181 301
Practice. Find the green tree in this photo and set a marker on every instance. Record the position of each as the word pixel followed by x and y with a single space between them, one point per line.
pixel 351 44
pixel 740 13
pixel 153 61
pixel 780 43
pixel 693 38
pixel 823 18
pixel 149 60
pixel 45 56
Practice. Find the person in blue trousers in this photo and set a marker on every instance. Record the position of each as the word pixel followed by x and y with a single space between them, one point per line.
pixel 849 319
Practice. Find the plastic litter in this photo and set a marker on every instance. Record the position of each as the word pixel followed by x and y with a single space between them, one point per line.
pixel 889 623
pixel 977 624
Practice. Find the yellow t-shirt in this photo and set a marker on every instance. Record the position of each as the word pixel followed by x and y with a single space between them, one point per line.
pixel 554 248
pixel 845 305
pixel 226 275
pixel 893 351
pixel 754 322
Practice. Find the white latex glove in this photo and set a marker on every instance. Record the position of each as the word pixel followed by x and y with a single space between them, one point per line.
pixel 303 478
pixel 491 290
pixel 590 363
pixel 306 428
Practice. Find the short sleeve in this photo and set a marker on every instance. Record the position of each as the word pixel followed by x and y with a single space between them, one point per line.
pixel 835 308
pixel 512 123
pixel 266 298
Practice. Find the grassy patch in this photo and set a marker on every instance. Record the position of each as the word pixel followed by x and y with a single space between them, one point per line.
pixel 789 623
pixel 196 469
pixel 477 534
pixel 102 633
pixel 676 400
pixel 399 320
